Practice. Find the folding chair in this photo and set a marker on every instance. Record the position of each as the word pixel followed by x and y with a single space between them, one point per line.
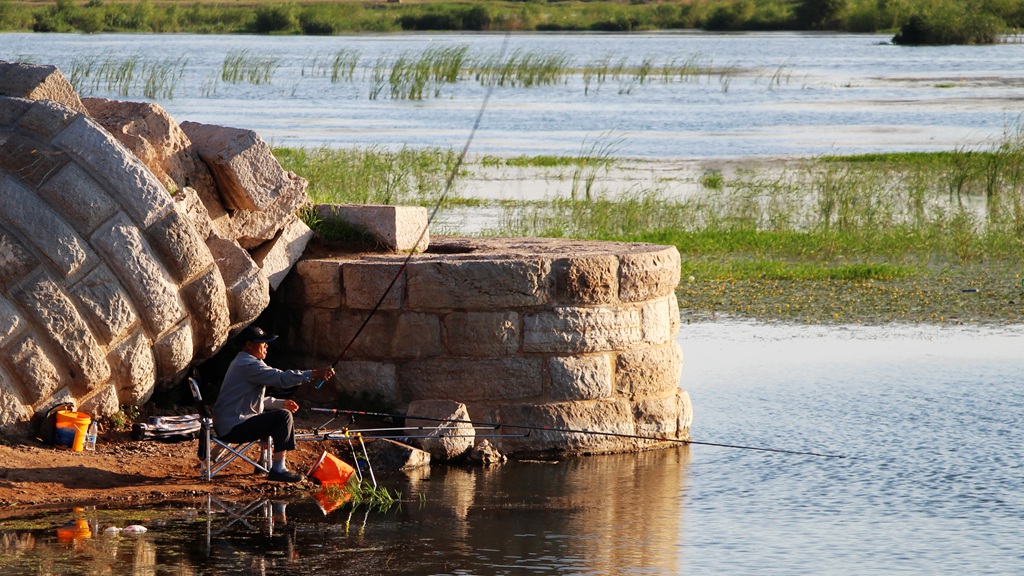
pixel 214 453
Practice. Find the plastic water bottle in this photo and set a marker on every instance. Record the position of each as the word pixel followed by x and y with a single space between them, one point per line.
pixel 90 437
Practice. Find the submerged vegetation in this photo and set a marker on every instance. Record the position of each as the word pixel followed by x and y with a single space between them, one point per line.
pixel 921 21
pixel 876 237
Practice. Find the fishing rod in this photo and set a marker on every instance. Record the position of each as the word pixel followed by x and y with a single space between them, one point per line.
pixel 437 206
pixel 497 425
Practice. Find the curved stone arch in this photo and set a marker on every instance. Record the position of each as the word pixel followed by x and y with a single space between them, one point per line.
pixel 106 288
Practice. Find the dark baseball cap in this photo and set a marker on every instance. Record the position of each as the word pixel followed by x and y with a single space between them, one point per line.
pixel 256 334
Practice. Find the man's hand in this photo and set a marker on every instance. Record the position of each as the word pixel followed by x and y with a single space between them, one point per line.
pixel 291 406
pixel 323 374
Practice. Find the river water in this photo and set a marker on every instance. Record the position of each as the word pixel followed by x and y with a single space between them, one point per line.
pixel 929 418
pixel 781 95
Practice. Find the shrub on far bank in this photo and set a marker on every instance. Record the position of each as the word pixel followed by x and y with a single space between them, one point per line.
pixel 953 26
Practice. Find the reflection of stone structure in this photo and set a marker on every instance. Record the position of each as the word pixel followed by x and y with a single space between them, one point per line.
pixel 547 333
pixel 109 284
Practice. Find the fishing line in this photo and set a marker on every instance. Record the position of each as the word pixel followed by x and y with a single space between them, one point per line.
pixel 496 425
pixel 437 206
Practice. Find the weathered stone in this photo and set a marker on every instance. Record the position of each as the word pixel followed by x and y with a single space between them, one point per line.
pixel 388 455
pixel 28 362
pixel 568 427
pixel 12 405
pixel 445 423
pixel 398 228
pixel 247 175
pixel 173 353
pixel 55 314
pixel 134 369
pixel 207 302
pixel 248 289
pixel 11 322
pixel 149 132
pixel 179 246
pixel 317 283
pixel 660 323
pixel 684 412
pixel 15 260
pixel 47 119
pixel 189 202
pixel 373 381
pixel 37 82
pixel 29 159
pixel 591 279
pixel 104 402
pixel 484 453
pixel 50 235
pixel 656 417
pixel 648 274
pixel 135 188
pixel 397 336
pixel 366 282
pixel 580 377
pixel 477 284
pixel 482 333
pixel 11 110
pixel 648 372
pixel 277 256
pixel 131 258
pixel 472 380
pixel 572 330
pixel 103 300
pixel 254 227
pixel 76 194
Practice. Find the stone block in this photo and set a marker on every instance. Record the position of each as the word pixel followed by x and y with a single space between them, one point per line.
pixel 133 261
pixel 127 180
pixel 38 82
pixel 660 320
pixel 103 404
pixel 471 380
pixel 180 248
pixel 11 322
pixel 388 455
pixel 134 369
pixel 105 303
pixel 248 176
pixel 396 336
pixel 649 372
pixel 52 237
pixel 684 416
pixel 28 362
pixel 277 256
pixel 155 138
pixel 76 195
pixel 15 260
pixel 591 279
pixel 207 302
pixel 11 110
pixel 477 284
pixel 366 283
pixel 582 427
pixel 47 119
pixel 657 417
pixel 173 352
pixel 445 423
pixel 12 406
pixel 482 333
pixel 363 380
pixel 29 159
pixel 317 283
pixel 192 205
pixel 649 273
pixel 573 330
pixel 254 227
pixel 247 288
pixel 55 314
pixel 580 377
pixel 399 228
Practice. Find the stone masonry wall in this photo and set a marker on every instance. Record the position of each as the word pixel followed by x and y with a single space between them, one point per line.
pixel 547 333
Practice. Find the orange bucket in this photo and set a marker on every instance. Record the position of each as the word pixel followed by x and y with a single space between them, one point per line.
pixel 71 429
pixel 330 470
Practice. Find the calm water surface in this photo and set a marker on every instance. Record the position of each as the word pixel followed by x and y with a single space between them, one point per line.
pixel 930 419
pixel 784 94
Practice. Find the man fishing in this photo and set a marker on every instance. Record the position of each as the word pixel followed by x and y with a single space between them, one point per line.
pixel 243 412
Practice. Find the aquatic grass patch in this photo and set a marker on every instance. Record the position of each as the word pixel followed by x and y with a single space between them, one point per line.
pixel 127 75
pixel 245 66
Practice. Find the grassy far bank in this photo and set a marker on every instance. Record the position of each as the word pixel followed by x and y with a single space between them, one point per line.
pixel 916 21
pixel 930 237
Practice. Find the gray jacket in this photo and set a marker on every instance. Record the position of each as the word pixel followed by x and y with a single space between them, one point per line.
pixel 243 393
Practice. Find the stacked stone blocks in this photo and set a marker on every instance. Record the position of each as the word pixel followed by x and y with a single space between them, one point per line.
pixel 575 335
